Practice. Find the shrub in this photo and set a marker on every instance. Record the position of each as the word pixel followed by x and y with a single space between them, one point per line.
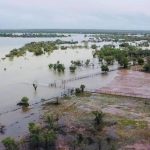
pixel 24 102
pixel 50 121
pixel 41 137
pixel 82 87
pixel 10 144
pixel 77 91
pixel 63 47
pixel 98 117
pixel 50 66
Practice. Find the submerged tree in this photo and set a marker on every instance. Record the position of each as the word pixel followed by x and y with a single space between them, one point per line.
pixel 35 85
pixel 94 46
pixel 82 87
pixel 104 68
pixel 77 91
pixel 72 68
pixel 57 67
pixel 87 62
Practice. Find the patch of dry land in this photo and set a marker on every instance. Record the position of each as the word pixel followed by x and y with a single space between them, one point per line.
pixel 124 125
pixel 129 83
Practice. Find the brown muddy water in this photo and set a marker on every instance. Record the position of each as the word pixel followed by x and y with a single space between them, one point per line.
pixel 16 82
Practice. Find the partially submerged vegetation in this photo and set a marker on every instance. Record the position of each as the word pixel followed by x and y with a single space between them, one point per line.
pixel 24 102
pixel 122 37
pixel 88 122
pixel 94 122
pixel 80 119
pixel 38 48
pixel 57 67
pixel 104 68
pixel 72 68
pixel 126 56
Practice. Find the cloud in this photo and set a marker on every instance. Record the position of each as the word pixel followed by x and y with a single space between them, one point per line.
pixel 108 14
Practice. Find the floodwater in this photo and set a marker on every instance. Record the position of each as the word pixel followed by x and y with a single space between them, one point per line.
pixel 16 82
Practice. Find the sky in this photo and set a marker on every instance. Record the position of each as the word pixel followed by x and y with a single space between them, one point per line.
pixel 75 14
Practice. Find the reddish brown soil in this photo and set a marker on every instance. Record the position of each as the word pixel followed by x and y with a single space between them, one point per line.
pixel 129 83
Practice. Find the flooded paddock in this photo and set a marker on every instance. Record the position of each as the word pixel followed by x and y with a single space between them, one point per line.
pixel 16 81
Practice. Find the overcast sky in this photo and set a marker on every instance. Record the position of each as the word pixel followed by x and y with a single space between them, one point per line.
pixel 75 14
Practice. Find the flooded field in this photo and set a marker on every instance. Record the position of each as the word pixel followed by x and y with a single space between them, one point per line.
pixel 17 79
pixel 17 76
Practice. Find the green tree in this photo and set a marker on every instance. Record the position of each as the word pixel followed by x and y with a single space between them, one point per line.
pixel 109 60
pixel 124 62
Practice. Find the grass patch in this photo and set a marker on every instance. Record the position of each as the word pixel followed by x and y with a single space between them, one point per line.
pixel 84 94
pixel 133 123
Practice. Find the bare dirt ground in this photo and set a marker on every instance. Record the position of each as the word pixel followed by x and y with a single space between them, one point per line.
pixel 126 123
pixel 129 83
